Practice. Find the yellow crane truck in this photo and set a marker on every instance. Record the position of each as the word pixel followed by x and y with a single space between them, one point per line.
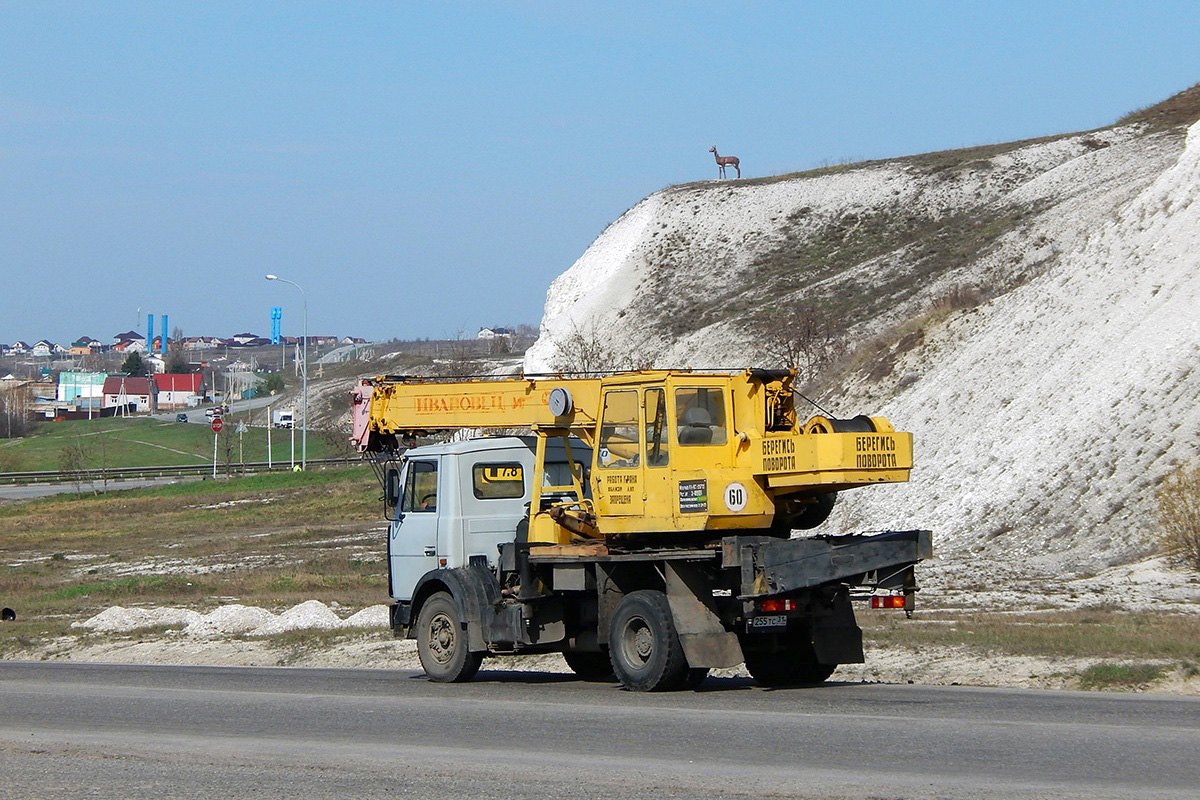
pixel 640 523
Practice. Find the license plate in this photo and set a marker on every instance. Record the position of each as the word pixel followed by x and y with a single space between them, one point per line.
pixel 770 622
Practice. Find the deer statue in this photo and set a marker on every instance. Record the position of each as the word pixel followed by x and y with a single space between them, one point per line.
pixel 725 161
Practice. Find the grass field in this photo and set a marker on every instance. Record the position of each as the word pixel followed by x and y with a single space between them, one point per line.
pixel 139 442
pixel 269 540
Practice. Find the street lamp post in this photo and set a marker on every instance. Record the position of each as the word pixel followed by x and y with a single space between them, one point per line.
pixel 303 375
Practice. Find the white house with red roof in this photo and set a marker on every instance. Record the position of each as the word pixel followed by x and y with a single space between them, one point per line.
pixel 179 391
pixel 121 390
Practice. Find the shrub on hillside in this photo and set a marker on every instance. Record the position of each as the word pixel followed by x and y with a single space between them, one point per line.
pixel 586 351
pixel 1179 516
pixel 802 336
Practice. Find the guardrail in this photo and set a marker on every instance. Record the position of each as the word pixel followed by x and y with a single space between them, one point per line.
pixel 126 473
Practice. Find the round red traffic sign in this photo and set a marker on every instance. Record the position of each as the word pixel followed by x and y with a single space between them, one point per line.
pixel 217 424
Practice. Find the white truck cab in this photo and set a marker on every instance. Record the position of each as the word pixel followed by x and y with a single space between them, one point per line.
pixel 452 505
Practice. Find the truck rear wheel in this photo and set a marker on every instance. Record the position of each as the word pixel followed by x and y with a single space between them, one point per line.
pixel 589 666
pixel 791 663
pixel 442 642
pixel 777 670
pixel 645 649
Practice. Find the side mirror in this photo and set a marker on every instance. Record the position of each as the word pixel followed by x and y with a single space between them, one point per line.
pixel 391 487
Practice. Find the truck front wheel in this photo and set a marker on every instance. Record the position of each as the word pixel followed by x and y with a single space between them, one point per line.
pixel 442 642
pixel 645 649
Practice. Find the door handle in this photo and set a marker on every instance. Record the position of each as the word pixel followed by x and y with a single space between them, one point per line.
pixel 431 551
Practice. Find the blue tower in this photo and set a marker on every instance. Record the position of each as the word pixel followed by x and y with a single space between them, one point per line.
pixel 276 324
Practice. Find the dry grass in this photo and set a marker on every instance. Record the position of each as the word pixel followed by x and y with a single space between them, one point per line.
pixel 1179 516
pixel 271 540
pixel 1121 676
pixel 1179 109
pixel 1105 634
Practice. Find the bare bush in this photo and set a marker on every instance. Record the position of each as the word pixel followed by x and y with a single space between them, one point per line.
pixel 72 462
pixel 805 337
pixel 14 412
pixel 337 438
pixel 585 350
pixel 956 298
pixel 1179 516
pixel 9 461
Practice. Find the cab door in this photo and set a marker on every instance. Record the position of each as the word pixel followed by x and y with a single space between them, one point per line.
pixel 617 484
pixel 413 533
pixel 659 484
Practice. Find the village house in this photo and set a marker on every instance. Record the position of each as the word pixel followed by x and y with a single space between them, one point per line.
pixel 130 346
pixel 46 349
pixel 124 390
pixel 80 387
pixel 179 391
pixel 202 342
pixel 85 346
pixel 494 333
pixel 129 342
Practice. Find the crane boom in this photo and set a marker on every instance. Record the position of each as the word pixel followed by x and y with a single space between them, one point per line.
pixel 671 451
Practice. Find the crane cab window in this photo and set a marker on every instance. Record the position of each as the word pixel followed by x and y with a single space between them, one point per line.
pixel 420 487
pixel 619 441
pixel 656 428
pixel 700 413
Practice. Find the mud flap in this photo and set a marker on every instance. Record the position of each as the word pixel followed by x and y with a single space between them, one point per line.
pixel 836 637
pixel 705 641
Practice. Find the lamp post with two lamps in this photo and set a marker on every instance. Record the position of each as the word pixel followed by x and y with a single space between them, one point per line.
pixel 303 375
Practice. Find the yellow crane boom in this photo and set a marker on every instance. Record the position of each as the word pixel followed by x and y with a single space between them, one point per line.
pixel 671 451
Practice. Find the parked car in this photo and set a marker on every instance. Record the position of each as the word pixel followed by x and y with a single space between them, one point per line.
pixel 181 417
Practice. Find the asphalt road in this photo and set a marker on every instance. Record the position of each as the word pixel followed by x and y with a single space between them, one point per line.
pixel 74 730
pixel 29 491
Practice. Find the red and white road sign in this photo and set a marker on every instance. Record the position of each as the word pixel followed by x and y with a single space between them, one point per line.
pixel 217 424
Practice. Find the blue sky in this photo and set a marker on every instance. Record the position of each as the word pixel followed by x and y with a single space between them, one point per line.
pixel 425 169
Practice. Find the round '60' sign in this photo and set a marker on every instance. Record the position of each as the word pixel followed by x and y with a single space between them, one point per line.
pixel 736 497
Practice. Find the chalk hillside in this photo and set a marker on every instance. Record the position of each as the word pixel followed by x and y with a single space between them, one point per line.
pixel 1030 311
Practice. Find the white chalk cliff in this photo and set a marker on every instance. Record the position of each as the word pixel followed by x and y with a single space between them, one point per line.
pixel 1046 410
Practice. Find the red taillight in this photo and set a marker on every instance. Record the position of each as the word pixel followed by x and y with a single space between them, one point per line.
pixel 887 601
pixel 775 605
